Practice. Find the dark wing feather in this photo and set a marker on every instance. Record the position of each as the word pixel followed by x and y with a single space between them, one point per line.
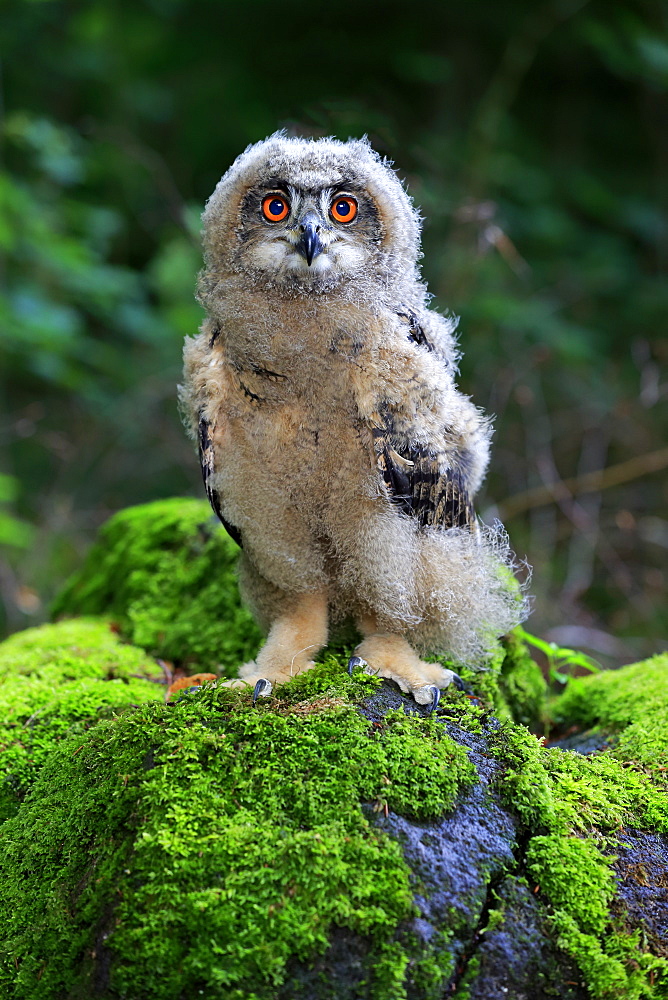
pixel 415 332
pixel 420 487
pixel 206 461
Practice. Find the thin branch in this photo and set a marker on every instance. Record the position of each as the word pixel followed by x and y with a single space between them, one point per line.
pixel 591 482
pixel 588 528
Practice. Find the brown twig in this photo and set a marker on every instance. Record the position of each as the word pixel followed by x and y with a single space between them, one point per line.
pixel 591 482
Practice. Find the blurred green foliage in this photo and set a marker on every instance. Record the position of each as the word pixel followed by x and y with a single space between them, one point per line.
pixel 532 134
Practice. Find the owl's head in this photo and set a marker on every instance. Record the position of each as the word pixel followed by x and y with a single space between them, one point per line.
pixel 305 216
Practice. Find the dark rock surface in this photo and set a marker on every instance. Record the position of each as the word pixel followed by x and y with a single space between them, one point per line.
pixel 516 959
pixel 455 860
pixel 642 869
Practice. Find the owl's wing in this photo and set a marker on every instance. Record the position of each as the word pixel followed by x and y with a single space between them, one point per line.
pixel 414 330
pixel 419 485
pixel 207 464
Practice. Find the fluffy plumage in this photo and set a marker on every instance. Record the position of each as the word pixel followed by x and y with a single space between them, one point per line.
pixel 334 443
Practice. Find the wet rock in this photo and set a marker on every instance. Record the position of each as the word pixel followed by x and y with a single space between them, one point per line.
pixel 642 869
pixel 516 958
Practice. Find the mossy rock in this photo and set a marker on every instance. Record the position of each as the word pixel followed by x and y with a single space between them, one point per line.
pixel 57 681
pixel 624 709
pixel 331 842
pixel 165 572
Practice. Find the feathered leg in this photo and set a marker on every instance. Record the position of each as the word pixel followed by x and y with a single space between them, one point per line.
pixel 391 656
pixel 294 639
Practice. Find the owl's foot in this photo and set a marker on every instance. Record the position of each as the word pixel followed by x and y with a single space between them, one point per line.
pixel 390 656
pixel 293 640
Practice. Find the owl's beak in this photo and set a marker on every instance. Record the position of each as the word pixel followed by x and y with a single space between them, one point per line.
pixel 310 244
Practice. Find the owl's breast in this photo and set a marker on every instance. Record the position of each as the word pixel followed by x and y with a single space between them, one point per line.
pixel 308 443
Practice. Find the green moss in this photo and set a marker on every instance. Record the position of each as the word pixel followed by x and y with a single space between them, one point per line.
pixel 521 683
pixel 331 680
pixel 165 572
pixel 512 683
pixel 468 979
pixel 561 791
pixel 58 680
pixel 618 968
pixel 569 872
pixel 623 786
pixel 632 702
pixel 431 968
pixel 209 843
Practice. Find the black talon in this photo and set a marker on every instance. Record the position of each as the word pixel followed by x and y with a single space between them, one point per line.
pixel 258 689
pixel 437 697
pixel 355 661
pixel 458 682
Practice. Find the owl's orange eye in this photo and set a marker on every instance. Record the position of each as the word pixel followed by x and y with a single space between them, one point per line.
pixel 343 209
pixel 275 207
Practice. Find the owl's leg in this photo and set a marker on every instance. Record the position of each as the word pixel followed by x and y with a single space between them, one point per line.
pixel 294 639
pixel 391 656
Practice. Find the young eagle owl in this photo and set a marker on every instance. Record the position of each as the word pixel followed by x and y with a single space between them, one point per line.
pixel 334 444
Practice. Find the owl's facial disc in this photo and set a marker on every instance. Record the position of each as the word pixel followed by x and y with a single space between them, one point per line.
pixel 307 239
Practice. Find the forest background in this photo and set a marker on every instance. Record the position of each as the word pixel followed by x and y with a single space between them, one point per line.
pixel 534 137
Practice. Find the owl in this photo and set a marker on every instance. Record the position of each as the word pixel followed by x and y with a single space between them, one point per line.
pixel 334 444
